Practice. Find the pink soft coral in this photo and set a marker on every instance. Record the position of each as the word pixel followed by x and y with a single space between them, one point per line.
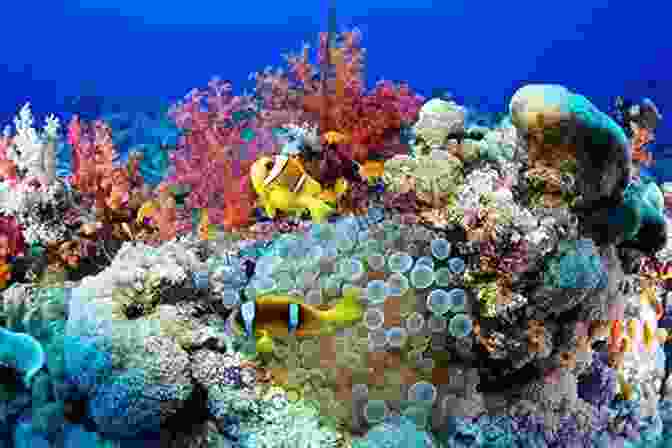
pixel 224 135
pixel 94 161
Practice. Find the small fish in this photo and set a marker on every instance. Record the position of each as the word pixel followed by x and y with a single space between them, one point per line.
pixel 632 329
pixel 277 316
pixel 648 336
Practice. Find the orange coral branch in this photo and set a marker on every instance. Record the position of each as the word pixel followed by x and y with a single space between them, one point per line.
pixel 640 138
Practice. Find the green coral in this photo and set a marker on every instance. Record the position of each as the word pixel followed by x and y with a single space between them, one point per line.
pixel 487 297
pixel 537 186
pixel 431 175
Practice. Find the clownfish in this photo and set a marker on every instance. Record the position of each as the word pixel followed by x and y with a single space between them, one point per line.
pixel 283 184
pixel 277 316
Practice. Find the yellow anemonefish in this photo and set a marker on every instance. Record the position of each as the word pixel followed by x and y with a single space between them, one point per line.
pixel 632 329
pixel 283 184
pixel 282 316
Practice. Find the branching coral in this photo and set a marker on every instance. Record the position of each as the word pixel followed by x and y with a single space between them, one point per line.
pixel 365 118
pixel 223 137
pixel 33 152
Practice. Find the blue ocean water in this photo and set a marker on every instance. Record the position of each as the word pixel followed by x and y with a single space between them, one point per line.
pixel 98 56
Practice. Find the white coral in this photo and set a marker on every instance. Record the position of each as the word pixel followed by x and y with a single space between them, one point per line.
pixel 285 424
pixel 32 151
pixel 135 261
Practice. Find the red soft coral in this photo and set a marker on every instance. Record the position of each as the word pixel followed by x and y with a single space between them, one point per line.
pixel 367 119
pixel 13 243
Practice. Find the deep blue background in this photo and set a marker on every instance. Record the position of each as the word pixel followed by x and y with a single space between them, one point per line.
pixel 131 52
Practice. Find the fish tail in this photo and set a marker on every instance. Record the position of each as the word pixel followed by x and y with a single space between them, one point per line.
pixel 348 309
pixel 258 173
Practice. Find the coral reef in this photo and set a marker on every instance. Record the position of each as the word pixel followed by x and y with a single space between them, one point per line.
pixel 450 284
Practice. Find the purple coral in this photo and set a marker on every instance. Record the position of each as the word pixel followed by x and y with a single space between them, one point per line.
pixel 598 387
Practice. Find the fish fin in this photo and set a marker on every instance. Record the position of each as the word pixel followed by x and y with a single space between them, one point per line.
pixel 348 309
pixel 293 317
pixel 248 311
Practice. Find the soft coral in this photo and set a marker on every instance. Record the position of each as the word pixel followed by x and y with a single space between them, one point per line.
pixel 224 136
pixel 366 118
